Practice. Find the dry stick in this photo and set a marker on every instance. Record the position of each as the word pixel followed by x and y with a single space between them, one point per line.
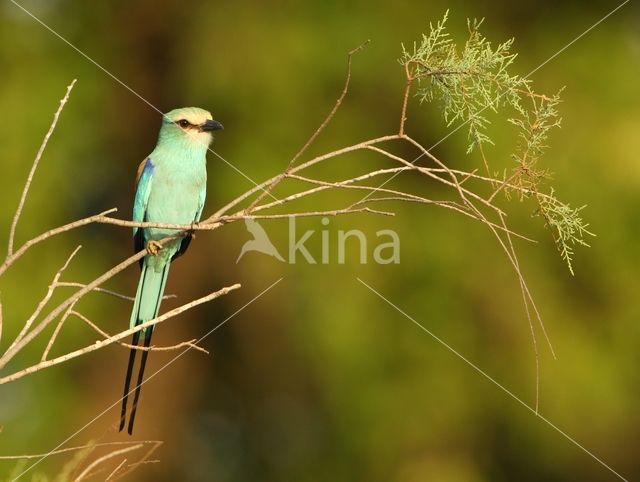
pixel 48 234
pixel 189 344
pixel 315 135
pixel 430 174
pixel 108 456
pixel 350 184
pixel 11 351
pixel 527 299
pixel 34 166
pixel 56 332
pixel 323 186
pixel 92 475
pixel 43 302
pixel 130 467
pixel 400 195
pixel 523 289
pixel 102 343
pixel 330 212
pixel 143 460
pixel 522 190
pixel 459 208
pixel 74 449
pixel 69 284
pixel 220 212
pixel 511 255
pixel 116 470
pixel 405 99
pixel 105 291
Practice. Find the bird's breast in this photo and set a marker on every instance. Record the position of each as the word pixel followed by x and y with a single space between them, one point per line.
pixel 175 197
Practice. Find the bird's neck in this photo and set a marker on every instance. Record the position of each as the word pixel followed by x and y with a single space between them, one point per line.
pixel 180 151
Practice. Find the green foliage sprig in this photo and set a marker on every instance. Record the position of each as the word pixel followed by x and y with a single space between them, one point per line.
pixel 472 81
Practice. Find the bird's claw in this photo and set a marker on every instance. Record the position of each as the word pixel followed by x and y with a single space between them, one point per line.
pixel 153 247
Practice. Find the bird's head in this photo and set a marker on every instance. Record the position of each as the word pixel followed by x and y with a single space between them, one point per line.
pixel 192 125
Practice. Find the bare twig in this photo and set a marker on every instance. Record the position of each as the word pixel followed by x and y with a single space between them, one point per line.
pixel 56 332
pixel 53 314
pixel 143 460
pixel 43 302
pixel 115 294
pixel 116 470
pixel 113 339
pixel 405 99
pixel 184 344
pixel 108 456
pixel 330 212
pixel 74 449
pixel 315 135
pixel 226 208
pixel 49 234
pixel 34 166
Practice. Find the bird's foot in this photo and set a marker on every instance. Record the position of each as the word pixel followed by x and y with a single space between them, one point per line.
pixel 192 231
pixel 153 247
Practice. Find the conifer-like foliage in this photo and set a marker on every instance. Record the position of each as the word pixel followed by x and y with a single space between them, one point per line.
pixel 474 81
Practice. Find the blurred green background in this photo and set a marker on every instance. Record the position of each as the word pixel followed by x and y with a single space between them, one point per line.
pixel 320 379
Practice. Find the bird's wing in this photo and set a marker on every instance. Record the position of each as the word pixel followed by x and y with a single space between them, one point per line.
pixel 143 189
pixel 187 238
pixel 201 197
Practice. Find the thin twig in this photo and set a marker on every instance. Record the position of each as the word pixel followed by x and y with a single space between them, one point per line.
pixel 113 339
pixel 34 166
pixel 108 456
pixel 145 459
pixel 116 470
pixel 331 212
pixel 56 332
pixel 269 188
pixel 73 449
pixel 225 209
pixel 53 314
pixel 105 335
pixel 43 302
pixel 115 294
pixel 49 234
pixel 405 99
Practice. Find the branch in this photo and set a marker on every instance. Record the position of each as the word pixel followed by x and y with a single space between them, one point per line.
pixel 184 344
pixel 48 234
pixel 43 302
pixel 113 339
pixel 28 337
pixel 108 456
pixel 315 135
pixel 115 294
pixel 34 166
pixel 74 449
pixel 260 187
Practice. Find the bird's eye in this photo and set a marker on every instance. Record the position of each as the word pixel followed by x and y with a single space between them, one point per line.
pixel 184 123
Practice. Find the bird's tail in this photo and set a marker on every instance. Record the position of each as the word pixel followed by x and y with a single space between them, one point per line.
pixel 145 308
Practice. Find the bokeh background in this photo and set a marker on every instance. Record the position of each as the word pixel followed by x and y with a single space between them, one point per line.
pixel 319 379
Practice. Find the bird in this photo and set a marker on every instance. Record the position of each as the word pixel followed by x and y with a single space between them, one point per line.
pixel 171 187
pixel 260 241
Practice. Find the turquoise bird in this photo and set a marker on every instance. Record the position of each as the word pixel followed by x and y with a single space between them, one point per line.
pixel 171 188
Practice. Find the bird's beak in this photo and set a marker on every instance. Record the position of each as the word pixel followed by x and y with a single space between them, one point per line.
pixel 211 125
